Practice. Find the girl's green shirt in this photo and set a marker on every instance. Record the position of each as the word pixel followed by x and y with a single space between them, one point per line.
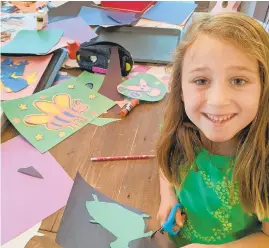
pixel 213 216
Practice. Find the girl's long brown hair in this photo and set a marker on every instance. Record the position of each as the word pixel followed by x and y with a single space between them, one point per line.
pixel 179 139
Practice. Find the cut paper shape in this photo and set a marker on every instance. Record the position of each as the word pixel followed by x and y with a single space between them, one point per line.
pixel 60 77
pixel 27 68
pixel 30 171
pixel 63 109
pixel 170 12
pixel 34 42
pixel 98 16
pixel 23 107
pixel 124 224
pixel 22 240
pixel 121 17
pixel 112 78
pixel 11 74
pixel 132 6
pixel 61 112
pixel 74 28
pixel 24 202
pixel 76 230
pixel 144 87
pixel 9 8
pixel 92 81
pixel 103 121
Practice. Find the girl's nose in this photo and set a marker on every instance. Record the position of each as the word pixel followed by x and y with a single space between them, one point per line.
pixel 218 95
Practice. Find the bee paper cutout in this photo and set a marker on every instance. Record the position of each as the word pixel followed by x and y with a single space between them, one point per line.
pixel 60 113
pixel 144 87
pixel 52 115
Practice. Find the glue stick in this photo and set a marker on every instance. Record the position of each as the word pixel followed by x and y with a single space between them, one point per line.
pixel 41 19
pixel 129 107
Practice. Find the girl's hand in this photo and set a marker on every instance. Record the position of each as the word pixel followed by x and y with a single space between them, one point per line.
pixel 168 201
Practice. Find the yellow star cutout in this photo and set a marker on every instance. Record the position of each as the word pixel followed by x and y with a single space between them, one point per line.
pixel 39 137
pixel 91 96
pixel 71 86
pixel 16 120
pixel 23 107
pixel 61 134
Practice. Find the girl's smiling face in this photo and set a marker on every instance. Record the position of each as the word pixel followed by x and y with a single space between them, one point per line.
pixel 221 87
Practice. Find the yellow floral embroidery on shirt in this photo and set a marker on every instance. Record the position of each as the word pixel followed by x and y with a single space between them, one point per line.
pixel 222 190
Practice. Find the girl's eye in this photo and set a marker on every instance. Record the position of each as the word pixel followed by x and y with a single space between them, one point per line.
pixel 201 81
pixel 238 81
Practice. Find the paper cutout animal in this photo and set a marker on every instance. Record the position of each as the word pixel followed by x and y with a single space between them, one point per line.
pixel 142 87
pixel 121 222
pixel 12 75
pixel 62 112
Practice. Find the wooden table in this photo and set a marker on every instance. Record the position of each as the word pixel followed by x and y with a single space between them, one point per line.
pixel 134 183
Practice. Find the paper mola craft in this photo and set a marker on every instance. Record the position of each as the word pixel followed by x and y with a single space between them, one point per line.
pixel 50 116
pixel 144 87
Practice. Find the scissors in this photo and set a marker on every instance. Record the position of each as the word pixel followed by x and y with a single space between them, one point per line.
pixel 170 222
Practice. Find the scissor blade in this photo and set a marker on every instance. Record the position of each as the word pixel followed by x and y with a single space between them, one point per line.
pixel 159 230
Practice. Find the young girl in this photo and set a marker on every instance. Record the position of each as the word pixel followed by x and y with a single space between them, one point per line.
pixel 213 152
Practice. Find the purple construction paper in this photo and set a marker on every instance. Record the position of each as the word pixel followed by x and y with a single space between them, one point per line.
pixel 74 28
pixel 25 201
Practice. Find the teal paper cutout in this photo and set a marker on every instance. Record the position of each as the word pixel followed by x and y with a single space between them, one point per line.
pixel 33 42
pixel 103 121
pixel 144 87
pixel 92 81
pixel 122 223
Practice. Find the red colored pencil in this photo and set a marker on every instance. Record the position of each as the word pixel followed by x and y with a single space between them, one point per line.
pixel 123 158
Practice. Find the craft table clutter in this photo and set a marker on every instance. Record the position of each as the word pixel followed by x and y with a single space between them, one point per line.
pixel 78 145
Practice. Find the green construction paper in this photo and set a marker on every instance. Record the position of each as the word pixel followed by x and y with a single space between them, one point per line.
pixel 87 78
pixel 53 122
pixel 144 87
pixel 124 224
pixel 103 121
pixel 33 42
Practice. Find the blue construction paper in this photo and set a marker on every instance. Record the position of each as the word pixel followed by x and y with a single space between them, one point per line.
pixel 33 42
pixel 95 16
pixel 11 74
pixel 121 17
pixel 170 12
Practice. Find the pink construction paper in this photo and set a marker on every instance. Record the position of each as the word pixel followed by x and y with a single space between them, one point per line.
pixel 74 28
pixel 36 64
pixel 28 200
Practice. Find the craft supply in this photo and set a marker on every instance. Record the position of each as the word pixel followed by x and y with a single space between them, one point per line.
pixel 72 48
pixel 50 116
pixel 76 229
pixel 96 56
pixel 33 42
pixel 143 86
pixel 129 107
pixel 41 19
pixel 98 159
pixel 170 223
pixel 146 44
pixel 26 200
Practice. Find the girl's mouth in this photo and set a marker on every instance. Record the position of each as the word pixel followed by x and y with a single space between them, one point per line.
pixel 219 119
